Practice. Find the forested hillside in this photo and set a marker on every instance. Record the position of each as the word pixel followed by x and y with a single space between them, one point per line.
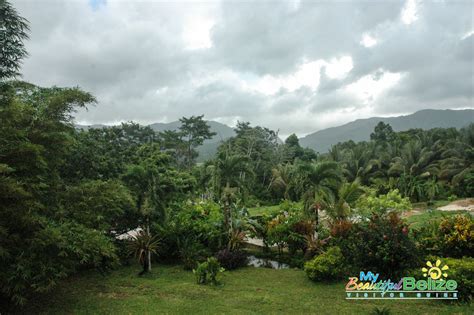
pixel 360 129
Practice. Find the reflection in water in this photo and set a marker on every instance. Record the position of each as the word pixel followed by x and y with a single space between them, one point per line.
pixel 266 263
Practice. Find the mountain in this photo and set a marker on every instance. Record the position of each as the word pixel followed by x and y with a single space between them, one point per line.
pixel 360 130
pixel 209 147
pixel 87 127
pixel 322 140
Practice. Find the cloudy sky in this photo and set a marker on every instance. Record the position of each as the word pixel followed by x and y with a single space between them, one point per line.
pixel 292 66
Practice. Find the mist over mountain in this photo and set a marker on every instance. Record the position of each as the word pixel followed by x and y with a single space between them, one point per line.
pixel 359 130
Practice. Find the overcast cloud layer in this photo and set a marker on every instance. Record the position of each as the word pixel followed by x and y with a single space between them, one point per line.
pixel 296 66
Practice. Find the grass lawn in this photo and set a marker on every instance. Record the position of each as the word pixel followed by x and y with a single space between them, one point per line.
pixel 170 289
pixel 263 210
pixel 418 220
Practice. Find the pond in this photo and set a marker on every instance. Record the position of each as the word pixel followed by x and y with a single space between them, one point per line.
pixel 266 263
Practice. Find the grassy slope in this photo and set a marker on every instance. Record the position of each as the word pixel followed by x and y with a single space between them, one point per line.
pixel 249 290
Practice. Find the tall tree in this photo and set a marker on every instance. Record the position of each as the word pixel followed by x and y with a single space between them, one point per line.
pixel 154 184
pixel 194 131
pixel 321 182
pixel 39 245
pixel 13 31
pixel 383 133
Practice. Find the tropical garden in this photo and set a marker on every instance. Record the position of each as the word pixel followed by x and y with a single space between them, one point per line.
pixel 122 219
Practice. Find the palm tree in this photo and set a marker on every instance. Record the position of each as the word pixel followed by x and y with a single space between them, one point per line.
pixel 415 159
pixel 359 161
pixel 229 195
pixel 281 180
pixel 227 180
pixel 418 160
pixel 321 182
pixel 458 158
pixel 339 208
pixel 142 246
pixel 228 169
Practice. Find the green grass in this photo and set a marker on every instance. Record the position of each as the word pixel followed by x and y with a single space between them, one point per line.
pixel 416 221
pixel 263 210
pixel 436 204
pixel 171 290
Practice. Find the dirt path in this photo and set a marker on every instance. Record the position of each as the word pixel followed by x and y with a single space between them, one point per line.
pixel 463 204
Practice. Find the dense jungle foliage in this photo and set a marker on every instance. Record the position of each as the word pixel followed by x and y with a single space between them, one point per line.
pixel 67 194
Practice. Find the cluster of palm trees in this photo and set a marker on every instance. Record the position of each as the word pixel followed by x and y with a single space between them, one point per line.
pixel 422 165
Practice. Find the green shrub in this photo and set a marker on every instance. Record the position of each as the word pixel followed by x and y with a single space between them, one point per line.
pixel 201 273
pixel 192 232
pixel 462 270
pixel 451 236
pixel 208 271
pixel 382 245
pixel 327 266
pixel 392 201
pixel 458 236
pixel 290 228
pixel 452 198
pixel 191 252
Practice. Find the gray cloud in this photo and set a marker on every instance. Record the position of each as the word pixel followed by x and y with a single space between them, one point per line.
pixel 137 59
pixel 273 37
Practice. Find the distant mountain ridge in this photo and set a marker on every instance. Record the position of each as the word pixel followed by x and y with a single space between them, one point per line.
pixel 360 130
pixel 322 140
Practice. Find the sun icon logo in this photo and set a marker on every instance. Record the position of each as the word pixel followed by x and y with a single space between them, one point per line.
pixel 435 272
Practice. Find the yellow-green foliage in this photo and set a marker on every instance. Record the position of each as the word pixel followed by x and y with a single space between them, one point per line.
pixel 458 235
pixel 210 268
pixel 392 201
pixel 327 266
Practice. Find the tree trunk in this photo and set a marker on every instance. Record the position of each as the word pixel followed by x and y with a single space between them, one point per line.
pixel 148 252
pixel 316 214
pixel 227 209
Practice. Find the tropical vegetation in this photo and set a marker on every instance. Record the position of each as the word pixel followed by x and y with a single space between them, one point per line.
pixel 75 200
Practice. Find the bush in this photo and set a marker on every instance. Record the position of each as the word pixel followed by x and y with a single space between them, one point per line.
pixel 290 228
pixel 449 237
pixel 458 236
pixel 452 198
pixel 327 266
pixel 123 252
pixel 208 271
pixel 231 259
pixel 462 270
pixel 191 252
pixel 192 233
pixel 392 201
pixel 380 245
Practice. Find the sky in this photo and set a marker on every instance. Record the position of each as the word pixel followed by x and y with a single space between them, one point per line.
pixel 294 66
